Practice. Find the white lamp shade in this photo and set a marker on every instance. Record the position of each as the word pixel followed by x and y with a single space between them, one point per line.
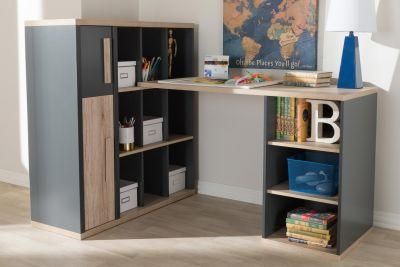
pixel 351 15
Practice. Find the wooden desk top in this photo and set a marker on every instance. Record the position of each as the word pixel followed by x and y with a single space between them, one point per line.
pixel 325 93
pixel 102 22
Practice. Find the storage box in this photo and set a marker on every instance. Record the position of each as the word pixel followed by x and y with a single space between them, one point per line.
pixel 128 195
pixel 177 178
pixel 314 173
pixel 126 74
pixel 152 130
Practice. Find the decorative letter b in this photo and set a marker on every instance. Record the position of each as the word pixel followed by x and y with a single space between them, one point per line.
pixel 317 121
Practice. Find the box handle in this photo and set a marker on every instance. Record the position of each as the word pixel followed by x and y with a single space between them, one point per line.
pixel 152 132
pixel 107 60
pixel 125 200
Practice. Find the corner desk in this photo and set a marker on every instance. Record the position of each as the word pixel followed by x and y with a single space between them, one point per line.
pixel 74 106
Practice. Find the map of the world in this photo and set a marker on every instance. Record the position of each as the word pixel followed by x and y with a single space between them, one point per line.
pixel 271 34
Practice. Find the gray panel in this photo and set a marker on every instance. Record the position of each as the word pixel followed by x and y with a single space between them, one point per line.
pixel 53 126
pixel 91 61
pixel 357 167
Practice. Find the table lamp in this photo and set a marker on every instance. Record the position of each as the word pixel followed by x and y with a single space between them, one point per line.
pixel 351 16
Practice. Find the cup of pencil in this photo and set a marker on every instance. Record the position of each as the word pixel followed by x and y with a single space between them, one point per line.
pixel 127 134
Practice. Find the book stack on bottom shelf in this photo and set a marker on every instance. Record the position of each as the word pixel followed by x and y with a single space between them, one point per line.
pixel 309 227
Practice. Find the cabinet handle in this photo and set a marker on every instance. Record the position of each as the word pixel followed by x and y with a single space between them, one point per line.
pixel 106 158
pixel 107 60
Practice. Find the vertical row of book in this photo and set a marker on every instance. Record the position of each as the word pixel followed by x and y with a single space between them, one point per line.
pixel 292 119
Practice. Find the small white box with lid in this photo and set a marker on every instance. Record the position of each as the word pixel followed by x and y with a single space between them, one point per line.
pixel 152 130
pixel 128 195
pixel 126 74
pixel 177 178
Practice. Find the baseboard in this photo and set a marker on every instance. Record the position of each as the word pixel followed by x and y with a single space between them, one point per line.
pixel 14 178
pixel 387 220
pixel 230 192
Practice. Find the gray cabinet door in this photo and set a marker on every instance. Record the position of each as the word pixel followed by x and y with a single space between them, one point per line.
pixel 95 61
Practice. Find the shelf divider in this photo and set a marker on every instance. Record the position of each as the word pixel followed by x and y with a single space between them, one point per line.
pixel 282 189
pixel 315 146
pixel 173 139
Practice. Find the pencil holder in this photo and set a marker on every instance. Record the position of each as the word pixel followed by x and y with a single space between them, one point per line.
pixel 126 138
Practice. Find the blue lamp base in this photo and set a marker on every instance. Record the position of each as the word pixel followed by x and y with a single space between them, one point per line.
pixel 350 69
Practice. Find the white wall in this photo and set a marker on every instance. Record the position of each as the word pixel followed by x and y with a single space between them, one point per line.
pixel 230 166
pixel 110 9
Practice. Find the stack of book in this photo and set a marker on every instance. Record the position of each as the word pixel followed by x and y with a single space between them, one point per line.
pixel 308 79
pixel 292 119
pixel 309 227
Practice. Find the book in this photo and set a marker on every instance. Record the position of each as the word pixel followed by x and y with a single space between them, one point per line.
pixel 308 224
pixel 303 84
pixel 292 119
pixel 307 215
pixel 296 227
pixel 303 116
pixel 311 239
pixel 309 74
pixel 306 80
pixel 278 118
pixel 287 119
pixel 312 234
pixel 310 243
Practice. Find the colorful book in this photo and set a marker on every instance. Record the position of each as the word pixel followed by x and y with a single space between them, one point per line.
pixel 296 227
pixel 312 234
pixel 307 215
pixel 292 119
pixel 310 243
pixel 303 84
pixel 306 79
pixel 309 74
pixel 303 112
pixel 315 240
pixel 287 119
pixel 308 224
pixel 278 118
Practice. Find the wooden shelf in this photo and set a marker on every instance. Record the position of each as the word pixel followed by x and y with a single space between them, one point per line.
pixel 326 93
pixel 131 89
pixel 283 190
pixel 280 236
pixel 174 139
pixel 155 203
pixel 333 148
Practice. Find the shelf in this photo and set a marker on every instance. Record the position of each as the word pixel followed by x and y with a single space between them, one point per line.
pixel 131 89
pixel 153 202
pixel 283 190
pixel 174 139
pixel 333 148
pixel 280 236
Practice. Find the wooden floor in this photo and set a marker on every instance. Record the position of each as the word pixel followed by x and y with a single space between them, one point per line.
pixel 198 231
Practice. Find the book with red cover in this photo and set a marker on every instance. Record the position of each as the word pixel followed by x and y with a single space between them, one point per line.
pixel 307 215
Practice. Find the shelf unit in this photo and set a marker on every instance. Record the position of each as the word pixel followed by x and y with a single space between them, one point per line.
pixel 148 164
pixel 355 152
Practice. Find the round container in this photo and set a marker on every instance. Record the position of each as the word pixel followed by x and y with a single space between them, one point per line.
pixel 127 138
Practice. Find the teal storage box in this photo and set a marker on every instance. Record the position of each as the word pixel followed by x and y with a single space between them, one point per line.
pixel 314 173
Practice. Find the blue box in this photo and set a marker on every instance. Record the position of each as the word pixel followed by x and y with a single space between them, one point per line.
pixel 314 173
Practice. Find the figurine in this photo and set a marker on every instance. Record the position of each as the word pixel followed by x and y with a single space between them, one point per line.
pixel 172 51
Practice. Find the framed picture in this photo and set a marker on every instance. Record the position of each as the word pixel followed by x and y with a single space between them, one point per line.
pixel 271 34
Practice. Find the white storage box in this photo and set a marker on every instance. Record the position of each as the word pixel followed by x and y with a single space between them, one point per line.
pixel 177 178
pixel 128 195
pixel 152 130
pixel 126 74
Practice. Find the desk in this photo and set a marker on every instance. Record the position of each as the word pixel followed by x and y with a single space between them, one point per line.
pixel 356 152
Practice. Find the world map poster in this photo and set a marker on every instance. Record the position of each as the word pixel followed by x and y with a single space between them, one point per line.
pixel 271 34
